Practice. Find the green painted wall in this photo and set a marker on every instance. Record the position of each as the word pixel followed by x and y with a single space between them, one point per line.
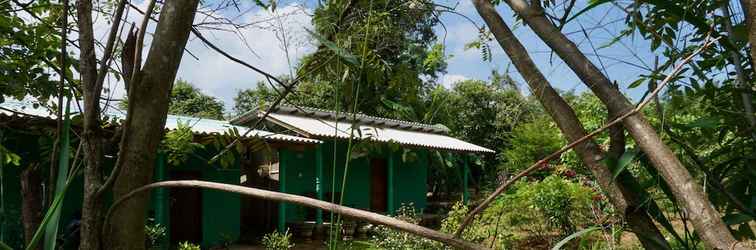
pixel 299 179
pixel 358 175
pixel 221 211
pixel 11 229
pixel 410 179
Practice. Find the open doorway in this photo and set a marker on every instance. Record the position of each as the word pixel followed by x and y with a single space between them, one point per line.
pixel 258 216
pixel 378 185
pixel 186 210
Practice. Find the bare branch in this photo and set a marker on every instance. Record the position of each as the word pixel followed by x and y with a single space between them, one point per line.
pixel 110 43
pixel 140 42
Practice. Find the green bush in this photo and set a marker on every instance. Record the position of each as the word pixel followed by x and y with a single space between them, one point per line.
pixel 179 144
pixel 530 142
pixel 475 232
pixel 553 204
pixel 188 246
pixel 388 238
pixel 531 213
pixel 277 241
pixel 155 233
pixel 563 203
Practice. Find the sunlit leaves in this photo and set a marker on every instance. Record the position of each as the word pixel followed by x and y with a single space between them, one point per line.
pixel 9 158
pixel 27 51
pixel 190 101
pixel 179 145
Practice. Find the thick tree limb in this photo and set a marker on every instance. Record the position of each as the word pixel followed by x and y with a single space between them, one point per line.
pixel 145 120
pixel 91 138
pixel 620 193
pixel 539 164
pixel 104 65
pixel 687 192
pixel 304 201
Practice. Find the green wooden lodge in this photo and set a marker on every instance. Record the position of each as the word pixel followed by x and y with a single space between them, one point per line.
pixel 304 151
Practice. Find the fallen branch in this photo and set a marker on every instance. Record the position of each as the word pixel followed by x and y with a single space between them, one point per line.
pixel 540 163
pixel 303 201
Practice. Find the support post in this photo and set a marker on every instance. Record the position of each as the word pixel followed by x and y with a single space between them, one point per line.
pixel 465 174
pixel 2 194
pixel 282 157
pixel 162 214
pixel 319 182
pixel 391 197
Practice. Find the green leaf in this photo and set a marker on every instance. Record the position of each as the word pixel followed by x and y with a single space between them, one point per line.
pixel 3 246
pixel 636 83
pixel 567 239
pixel 623 162
pixel 592 4
pixel 54 207
pixel 341 52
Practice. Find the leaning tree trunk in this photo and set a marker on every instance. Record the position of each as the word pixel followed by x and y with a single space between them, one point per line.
pixel 625 201
pixel 91 135
pixel 143 129
pixel 705 219
pixel 31 206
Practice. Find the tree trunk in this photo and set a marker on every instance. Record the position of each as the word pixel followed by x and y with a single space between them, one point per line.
pixel 145 121
pixel 625 201
pixel 91 211
pixel 705 219
pixel 31 201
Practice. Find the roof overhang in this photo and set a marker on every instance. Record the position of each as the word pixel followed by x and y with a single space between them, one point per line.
pixel 315 127
pixel 203 126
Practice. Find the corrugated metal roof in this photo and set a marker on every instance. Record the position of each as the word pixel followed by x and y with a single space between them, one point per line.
pixel 321 127
pixel 210 126
pixel 331 115
pixel 13 107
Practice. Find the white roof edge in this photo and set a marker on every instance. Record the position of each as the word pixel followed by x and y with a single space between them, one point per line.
pixel 331 129
pixel 14 107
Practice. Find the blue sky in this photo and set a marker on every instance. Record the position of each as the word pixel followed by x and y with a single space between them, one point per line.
pixel 261 45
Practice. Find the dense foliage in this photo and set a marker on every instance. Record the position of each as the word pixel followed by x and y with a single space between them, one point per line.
pixel 278 241
pixel 29 51
pixel 190 101
pixel 382 57
pixel 387 238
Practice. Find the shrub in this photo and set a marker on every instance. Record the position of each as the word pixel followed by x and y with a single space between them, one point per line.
pixel 562 203
pixel 188 246
pixel 388 238
pixel 179 144
pixel 530 214
pixel 554 202
pixel 277 241
pixel 155 233
pixel 530 142
pixel 475 232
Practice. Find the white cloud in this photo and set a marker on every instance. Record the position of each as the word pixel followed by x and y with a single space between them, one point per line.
pixel 449 80
pixel 259 44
